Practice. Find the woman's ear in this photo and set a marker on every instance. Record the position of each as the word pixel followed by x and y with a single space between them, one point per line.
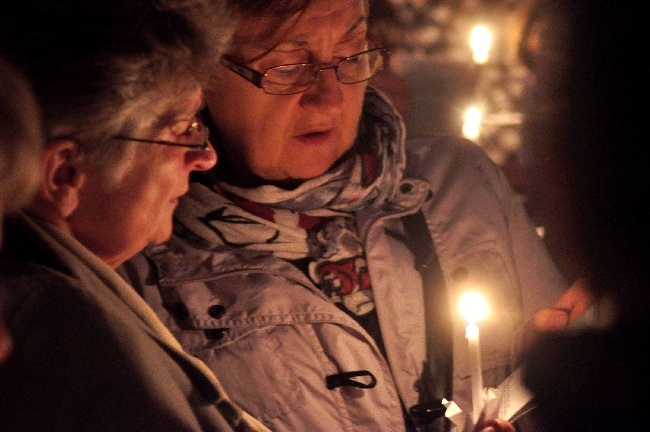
pixel 61 181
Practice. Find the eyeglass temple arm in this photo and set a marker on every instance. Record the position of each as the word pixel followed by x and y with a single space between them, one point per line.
pixel 245 72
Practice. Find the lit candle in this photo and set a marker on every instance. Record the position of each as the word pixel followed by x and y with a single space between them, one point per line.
pixel 474 308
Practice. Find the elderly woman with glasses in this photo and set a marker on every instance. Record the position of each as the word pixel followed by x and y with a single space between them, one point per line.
pixel 321 261
pixel 120 85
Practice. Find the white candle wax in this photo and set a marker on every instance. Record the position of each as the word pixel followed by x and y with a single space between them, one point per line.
pixel 471 333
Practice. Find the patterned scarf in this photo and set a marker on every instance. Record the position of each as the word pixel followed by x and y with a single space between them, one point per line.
pixel 314 224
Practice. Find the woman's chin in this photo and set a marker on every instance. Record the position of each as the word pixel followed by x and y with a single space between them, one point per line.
pixel 294 178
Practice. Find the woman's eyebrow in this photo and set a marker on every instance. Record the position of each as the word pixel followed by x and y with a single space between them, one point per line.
pixel 362 19
pixel 173 118
pixel 296 42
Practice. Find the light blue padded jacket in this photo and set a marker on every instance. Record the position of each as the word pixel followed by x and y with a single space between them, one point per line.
pixel 272 337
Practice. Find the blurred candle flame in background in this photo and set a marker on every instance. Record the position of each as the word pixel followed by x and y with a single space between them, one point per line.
pixel 480 41
pixel 472 123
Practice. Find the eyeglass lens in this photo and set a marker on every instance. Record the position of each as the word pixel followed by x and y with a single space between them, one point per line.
pixel 296 78
pixel 197 136
pixel 197 133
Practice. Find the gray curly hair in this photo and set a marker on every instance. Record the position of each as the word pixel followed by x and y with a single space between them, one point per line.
pixel 101 68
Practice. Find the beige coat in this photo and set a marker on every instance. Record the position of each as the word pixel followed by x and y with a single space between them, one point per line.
pixel 89 354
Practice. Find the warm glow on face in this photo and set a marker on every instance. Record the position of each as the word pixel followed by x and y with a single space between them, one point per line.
pixel 473 307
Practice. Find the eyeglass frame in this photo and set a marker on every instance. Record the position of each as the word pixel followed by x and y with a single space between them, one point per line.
pixel 255 77
pixel 203 147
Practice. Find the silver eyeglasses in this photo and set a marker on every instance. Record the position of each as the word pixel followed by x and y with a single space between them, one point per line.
pixel 299 77
pixel 196 132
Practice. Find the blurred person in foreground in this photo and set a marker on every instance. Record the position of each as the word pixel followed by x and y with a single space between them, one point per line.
pixel 21 142
pixel 119 85
pixel 294 264
pixel 584 137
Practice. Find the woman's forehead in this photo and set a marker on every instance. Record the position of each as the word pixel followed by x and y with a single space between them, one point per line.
pixel 321 17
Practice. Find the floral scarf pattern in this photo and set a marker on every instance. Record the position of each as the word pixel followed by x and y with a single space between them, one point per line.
pixel 314 222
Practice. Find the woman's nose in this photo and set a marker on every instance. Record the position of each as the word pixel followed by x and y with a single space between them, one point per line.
pixel 201 160
pixel 326 91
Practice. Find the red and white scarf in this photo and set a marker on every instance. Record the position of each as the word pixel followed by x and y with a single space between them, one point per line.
pixel 314 222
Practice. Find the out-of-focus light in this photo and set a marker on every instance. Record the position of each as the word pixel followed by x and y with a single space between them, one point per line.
pixel 480 40
pixel 472 123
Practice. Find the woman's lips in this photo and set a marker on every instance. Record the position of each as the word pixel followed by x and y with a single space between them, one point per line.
pixel 315 138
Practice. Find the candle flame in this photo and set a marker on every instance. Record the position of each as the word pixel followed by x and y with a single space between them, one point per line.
pixel 473 307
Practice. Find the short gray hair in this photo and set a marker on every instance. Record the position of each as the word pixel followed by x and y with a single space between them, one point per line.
pixel 100 67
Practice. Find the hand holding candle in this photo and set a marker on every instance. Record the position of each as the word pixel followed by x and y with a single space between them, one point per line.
pixel 473 307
